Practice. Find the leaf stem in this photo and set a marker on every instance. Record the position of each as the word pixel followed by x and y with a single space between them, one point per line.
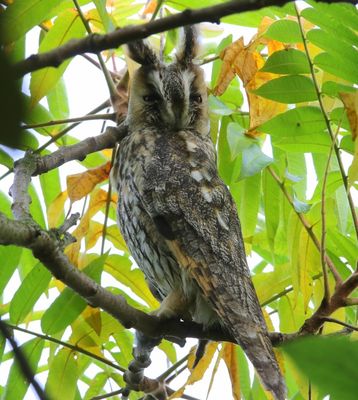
pixel 327 122
pixel 88 117
pixel 173 368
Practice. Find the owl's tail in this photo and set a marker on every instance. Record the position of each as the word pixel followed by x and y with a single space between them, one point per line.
pixel 258 349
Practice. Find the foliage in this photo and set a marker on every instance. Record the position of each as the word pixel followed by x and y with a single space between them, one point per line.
pixel 298 78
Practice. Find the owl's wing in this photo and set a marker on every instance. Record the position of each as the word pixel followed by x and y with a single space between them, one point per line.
pixel 198 218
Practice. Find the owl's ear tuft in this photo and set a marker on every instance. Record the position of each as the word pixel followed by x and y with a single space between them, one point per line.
pixel 140 52
pixel 188 49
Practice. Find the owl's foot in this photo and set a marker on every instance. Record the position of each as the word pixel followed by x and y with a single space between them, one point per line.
pixel 174 306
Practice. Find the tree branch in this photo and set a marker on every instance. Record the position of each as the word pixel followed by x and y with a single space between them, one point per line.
pixel 22 361
pixel 80 150
pixel 95 43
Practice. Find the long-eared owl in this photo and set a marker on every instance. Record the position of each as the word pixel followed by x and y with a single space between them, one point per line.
pixel 176 214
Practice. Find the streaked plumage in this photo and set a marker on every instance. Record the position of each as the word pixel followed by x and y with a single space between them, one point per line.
pixel 175 213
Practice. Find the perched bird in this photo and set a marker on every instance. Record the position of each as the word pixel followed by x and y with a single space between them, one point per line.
pixel 176 214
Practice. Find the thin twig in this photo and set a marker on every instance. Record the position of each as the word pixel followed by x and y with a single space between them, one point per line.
pixel 106 395
pixel 323 218
pixel 111 86
pixel 327 122
pixel 22 361
pixel 173 368
pixel 337 321
pixel 69 346
pixel 305 224
pixel 88 117
pixel 69 128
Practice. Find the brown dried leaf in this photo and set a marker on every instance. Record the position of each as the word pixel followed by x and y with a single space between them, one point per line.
pixel 227 73
pixel 79 185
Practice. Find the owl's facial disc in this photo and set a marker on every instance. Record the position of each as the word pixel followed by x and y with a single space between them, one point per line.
pixel 169 96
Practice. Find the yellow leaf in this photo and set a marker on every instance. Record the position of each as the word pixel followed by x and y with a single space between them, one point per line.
pixel 79 185
pixel 229 356
pixel 350 101
pixel 95 231
pixel 93 317
pixel 198 372
pixel 331 327
pixel 97 201
pixel 308 265
pixel 55 208
pixel 150 7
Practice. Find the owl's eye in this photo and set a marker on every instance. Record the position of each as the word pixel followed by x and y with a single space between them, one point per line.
pixel 151 98
pixel 196 98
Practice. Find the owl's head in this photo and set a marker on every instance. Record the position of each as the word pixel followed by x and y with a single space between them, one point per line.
pixel 173 96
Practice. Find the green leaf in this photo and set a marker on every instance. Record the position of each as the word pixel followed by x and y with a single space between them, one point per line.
pixel 28 141
pixel 288 61
pixel 285 31
pixel 330 23
pixel 288 89
pixel 216 106
pixel 69 305
pixel 271 204
pixel 10 257
pixel 5 159
pixel 237 139
pixel 319 143
pixel 253 18
pixel 333 45
pixel 101 8
pixel 296 122
pixel 329 362
pixel 347 144
pixel 30 290
pixel 247 197
pixel 50 185
pixel 5 205
pixel 16 386
pixel 120 268
pixel 36 114
pixel 253 161
pixel 63 375
pixel 36 207
pixel 67 26
pixel 333 88
pixel 337 66
pixel 58 102
pixel 22 15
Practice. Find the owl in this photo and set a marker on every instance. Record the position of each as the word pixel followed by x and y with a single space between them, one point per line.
pixel 175 213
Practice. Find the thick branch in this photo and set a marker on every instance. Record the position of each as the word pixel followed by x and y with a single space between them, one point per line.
pixel 46 249
pixel 95 43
